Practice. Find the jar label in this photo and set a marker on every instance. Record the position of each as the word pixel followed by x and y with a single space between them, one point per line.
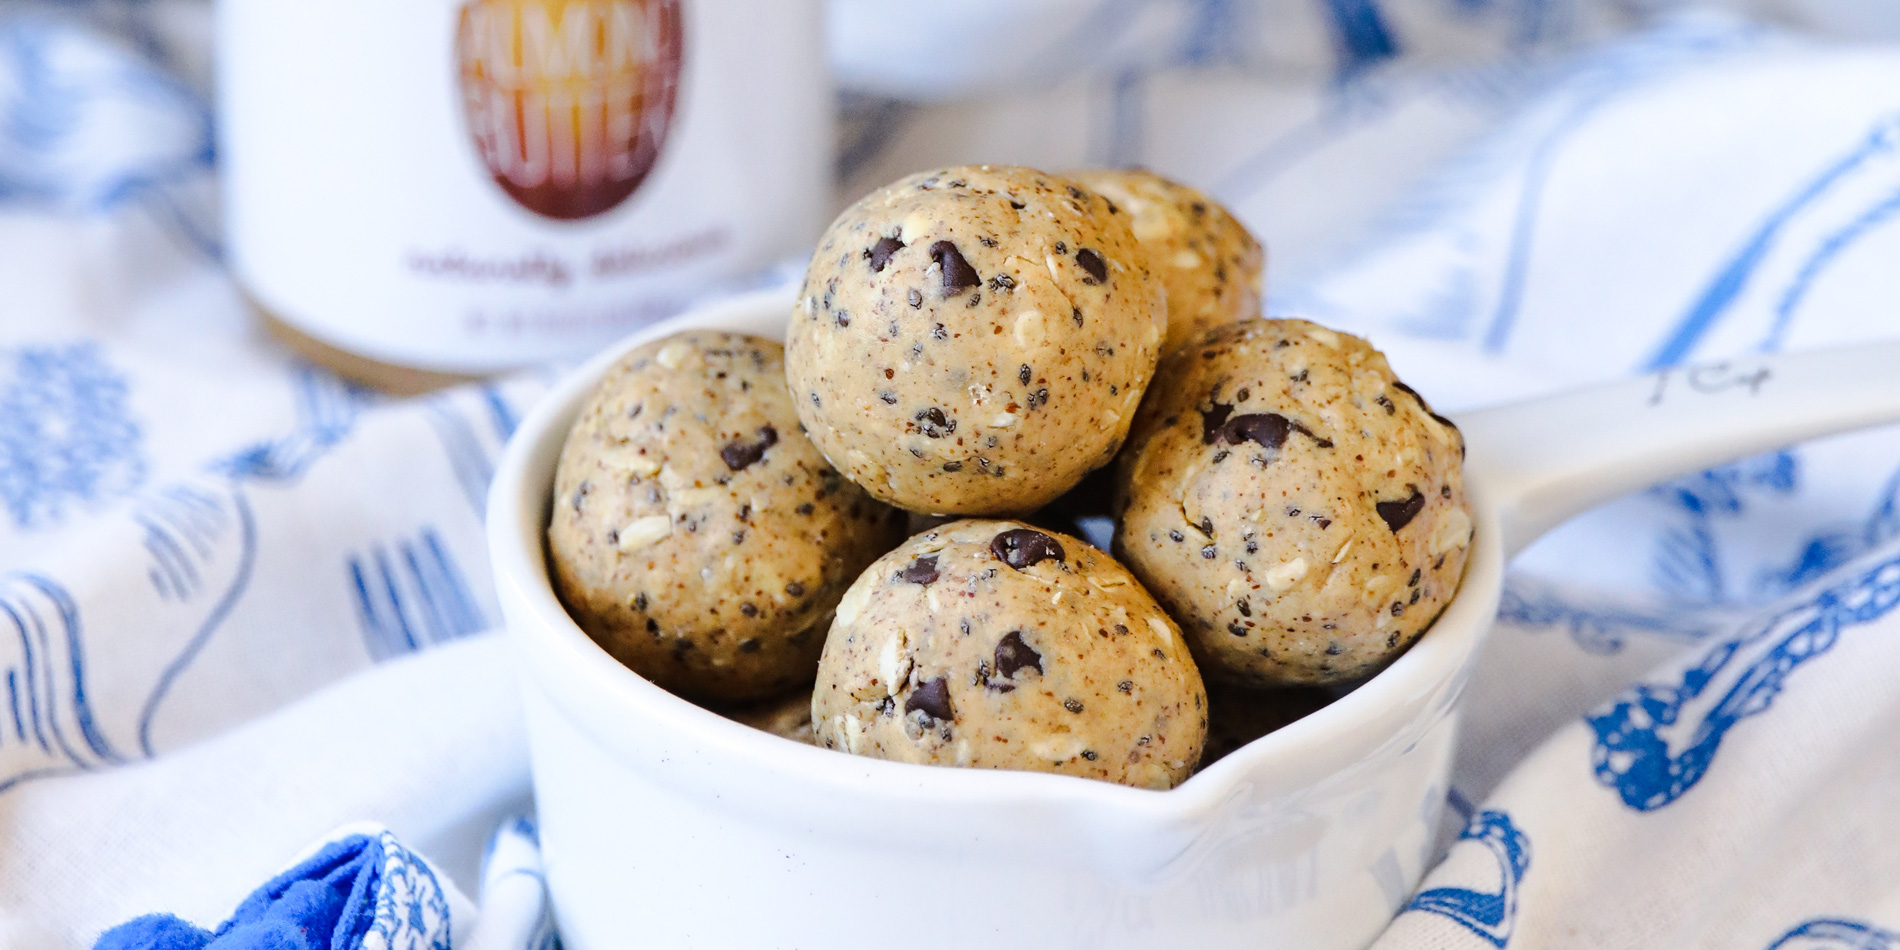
pixel 569 101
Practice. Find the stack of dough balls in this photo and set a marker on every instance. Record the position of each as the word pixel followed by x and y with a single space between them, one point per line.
pixel 970 343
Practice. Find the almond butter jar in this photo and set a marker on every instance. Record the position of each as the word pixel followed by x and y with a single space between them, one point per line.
pixel 417 190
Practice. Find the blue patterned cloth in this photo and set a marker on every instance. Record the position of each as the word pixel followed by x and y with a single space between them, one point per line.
pixel 358 891
pixel 241 598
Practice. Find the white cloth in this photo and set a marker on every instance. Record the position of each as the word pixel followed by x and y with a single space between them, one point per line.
pixel 206 547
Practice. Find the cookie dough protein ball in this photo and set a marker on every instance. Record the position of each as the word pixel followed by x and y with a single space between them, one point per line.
pixel 1298 510
pixel 991 644
pixel 1211 265
pixel 974 340
pixel 696 534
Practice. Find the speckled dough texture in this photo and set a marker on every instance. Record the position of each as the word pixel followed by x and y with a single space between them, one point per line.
pixel 991 644
pixel 1295 507
pixel 1212 266
pixel 696 534
pixel 974 340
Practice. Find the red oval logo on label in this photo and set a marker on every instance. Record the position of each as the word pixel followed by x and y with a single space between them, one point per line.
pixel 569 101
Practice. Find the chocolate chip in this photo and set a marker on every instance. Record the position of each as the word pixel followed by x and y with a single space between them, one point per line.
pixel 916 299
pixel 1265 429
pixel 1023 375
pixel 1211 421
pixel 932 699
pixel 879 254
pixel 1021 547
pixel 749 645
pixel 1391 641
pixel 1093 263
pixel 750 610
pixel 1175 536
pixel 843 317
pixel 1236 629
pixel 1126 686
pixel 640 601
pixel 1208 552
pixel 580 493
pixel 1013 203
pixel 805 508
pixel 1334 648
pixel 1002 282
pixel 1013 656
pixel 653 626
pixel 958 275
pixel 1072 705
pixel 1387 403
pixel 934 423
pixel 795 589
pixel 1088 754
pixel 953 466
pixel 739 455
pixel 1246 609
pixel 921 571
pixel 890 398
pixel 1416 574
pixel 1398 514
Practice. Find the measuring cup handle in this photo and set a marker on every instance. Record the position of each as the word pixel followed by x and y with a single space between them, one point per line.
pixel 1545 460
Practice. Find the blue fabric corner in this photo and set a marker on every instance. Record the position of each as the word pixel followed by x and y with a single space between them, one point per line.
pixel 154 932
pixel 328 902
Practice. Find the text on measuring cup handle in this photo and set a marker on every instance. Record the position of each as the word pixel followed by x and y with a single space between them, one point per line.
pixel 1709 380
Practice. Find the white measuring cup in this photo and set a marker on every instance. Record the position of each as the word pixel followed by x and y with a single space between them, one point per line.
pixel 666 825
